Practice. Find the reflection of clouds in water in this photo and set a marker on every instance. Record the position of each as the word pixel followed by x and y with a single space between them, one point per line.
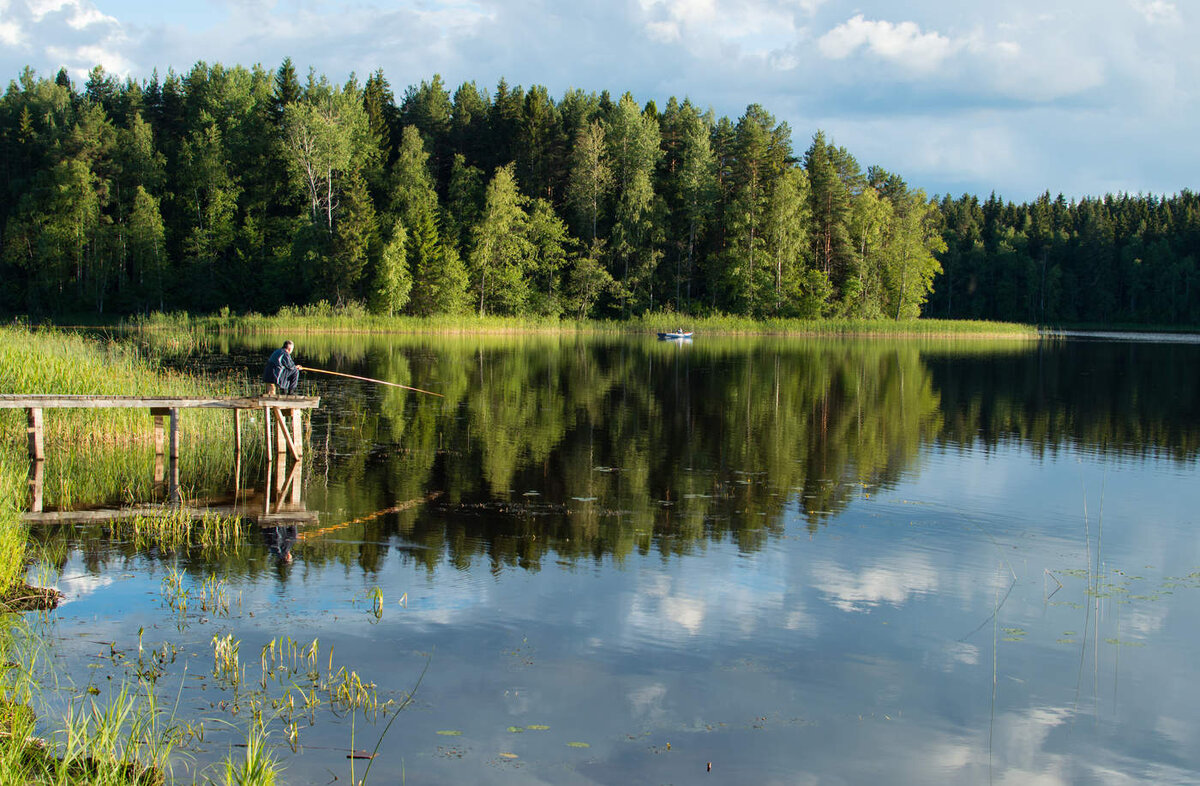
pixel 743 599
pixel 646 702
pixel 893 584
pixel 78 586
pixel 1147 620
pixel 656 604
pixel 953 654
pixel 1178 731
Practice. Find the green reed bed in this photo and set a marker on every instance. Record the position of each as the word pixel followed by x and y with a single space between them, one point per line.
pixel 352 318
pixel 105 455
pixel 126 736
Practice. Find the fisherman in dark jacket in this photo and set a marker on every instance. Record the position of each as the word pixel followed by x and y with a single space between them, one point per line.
pixel 282 371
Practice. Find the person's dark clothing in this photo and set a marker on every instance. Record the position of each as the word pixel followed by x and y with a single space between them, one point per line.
pixel 281 371
pixel 279 540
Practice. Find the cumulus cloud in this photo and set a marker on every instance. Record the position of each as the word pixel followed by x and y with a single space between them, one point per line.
pixel 946 90
pixel 902 44
pixel 1156 11
pixel 754 28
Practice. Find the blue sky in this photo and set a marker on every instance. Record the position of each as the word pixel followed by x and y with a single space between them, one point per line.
pixel 1071 96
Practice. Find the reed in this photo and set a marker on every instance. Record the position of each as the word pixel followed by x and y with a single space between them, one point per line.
pixel 353 318
pixel 100 455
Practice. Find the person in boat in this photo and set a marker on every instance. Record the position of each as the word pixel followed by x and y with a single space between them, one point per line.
pixel 281 371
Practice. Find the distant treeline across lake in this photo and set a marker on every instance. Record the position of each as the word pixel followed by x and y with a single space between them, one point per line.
pixel 255 189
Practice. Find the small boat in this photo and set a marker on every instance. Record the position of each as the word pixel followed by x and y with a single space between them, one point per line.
pixel 677 335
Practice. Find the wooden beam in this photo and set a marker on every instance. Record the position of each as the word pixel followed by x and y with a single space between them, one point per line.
pixel 297 434
pixel 36 474
pixel 36 433
pixel 285 434
pixel 159 413
pixel 174 434
pixel 237 433
pixel 269 428
pixel 25 401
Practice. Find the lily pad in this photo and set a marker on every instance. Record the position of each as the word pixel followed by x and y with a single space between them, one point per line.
pixel 516 729
pixel 578 745
pixel 537 727
pixel 450 733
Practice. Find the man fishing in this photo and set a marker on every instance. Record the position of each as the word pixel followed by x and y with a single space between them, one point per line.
pixel 281 371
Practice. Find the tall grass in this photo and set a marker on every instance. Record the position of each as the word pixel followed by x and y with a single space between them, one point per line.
pixel 353 318
pixel 100 455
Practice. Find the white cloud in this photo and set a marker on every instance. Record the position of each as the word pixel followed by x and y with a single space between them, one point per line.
pixel 40 8
pixel 1156 11
pixel 753 28
pixel 86 16
pixel 903 44
pixel 10 33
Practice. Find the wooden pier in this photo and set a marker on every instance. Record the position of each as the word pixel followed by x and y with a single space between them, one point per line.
pixel 282 418
pixel 286 427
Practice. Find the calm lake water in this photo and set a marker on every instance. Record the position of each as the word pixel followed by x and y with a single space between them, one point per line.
pixel 618 560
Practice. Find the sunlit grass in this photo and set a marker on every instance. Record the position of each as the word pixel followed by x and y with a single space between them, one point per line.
pixel 97 455
pixel 352 318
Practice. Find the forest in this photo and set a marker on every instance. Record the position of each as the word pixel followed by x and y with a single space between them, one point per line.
pixel 248 190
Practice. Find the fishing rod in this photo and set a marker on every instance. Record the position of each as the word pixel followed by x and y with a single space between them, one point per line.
pixel 368 379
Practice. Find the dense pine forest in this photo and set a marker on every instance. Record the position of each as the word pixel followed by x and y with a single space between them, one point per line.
pixel 251 190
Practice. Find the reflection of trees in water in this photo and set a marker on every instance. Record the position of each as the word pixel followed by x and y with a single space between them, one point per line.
pixel 638 448
pixel 1132 399
pixel 629 447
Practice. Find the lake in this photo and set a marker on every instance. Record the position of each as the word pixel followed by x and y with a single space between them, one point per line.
pixel 612 560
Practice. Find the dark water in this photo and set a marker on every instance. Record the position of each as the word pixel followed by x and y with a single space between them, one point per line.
pixel 621 560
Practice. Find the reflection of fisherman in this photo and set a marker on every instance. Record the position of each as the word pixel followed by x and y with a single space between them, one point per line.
pixel 282 371
pixel 279 541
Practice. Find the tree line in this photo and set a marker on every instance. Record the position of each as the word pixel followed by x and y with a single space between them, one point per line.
pixel 248 189
pixel 1115 260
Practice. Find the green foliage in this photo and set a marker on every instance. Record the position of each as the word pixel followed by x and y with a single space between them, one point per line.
pixel 241 188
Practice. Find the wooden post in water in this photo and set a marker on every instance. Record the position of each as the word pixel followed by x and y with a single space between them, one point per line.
pixel 36 433
pixel 237 433
pixel 174 434
pixel 158 429
pixel 297 435
pixel 159 442
pixel 296 483
pixel 269 426
pixel 36 469
pixel 281 435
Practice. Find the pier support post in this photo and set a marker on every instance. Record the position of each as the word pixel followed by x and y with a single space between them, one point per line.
pixel 158 414
pixel 269 426
pixel 174 434
pixel 297 434
pixel 237 433
pixel 281 435
pixel 36 432
pixel 36 473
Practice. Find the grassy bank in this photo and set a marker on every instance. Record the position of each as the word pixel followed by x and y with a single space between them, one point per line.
pixel 323 318
pixel 96 455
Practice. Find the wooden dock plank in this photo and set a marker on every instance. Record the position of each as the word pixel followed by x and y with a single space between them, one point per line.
pixel 54 401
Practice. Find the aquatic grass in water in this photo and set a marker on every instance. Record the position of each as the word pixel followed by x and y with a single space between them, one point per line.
pixel 174 531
